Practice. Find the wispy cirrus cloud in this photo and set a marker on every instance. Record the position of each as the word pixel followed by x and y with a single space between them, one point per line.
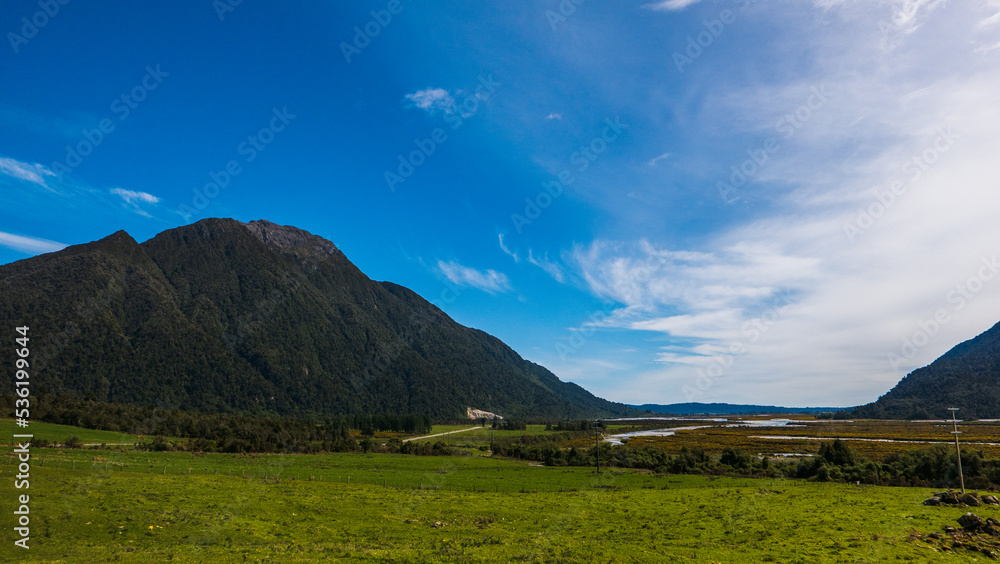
pixel 489 281
pixel 506 250
pixel 543 262
pixel 432 99
pixel 30 245
pixel 910 14
pixel 694 296
pixel 135 200
pixel 33 173
pixel 994 18
pixel 653 161
pixel 553 269
pixel 671 5
pixel 29 175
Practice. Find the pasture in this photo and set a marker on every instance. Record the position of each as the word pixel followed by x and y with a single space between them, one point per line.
pixel 125 505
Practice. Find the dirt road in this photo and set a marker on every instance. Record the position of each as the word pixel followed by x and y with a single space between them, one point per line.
pixel 439 434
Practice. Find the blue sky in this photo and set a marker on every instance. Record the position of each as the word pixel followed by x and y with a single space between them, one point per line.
pixel 753 202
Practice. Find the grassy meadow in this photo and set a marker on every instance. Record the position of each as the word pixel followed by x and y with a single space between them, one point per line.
pixel 123 505
pixel 59 433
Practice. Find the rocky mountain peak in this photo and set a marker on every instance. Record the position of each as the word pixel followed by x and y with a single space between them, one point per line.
pixel 291 239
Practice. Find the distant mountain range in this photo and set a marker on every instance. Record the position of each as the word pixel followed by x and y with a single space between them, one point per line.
pixel 259 318
pixel 695 408
pixel 966 377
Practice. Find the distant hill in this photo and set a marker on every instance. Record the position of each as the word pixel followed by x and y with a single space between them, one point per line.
pixel 259 318
pixel 966 377
pixel 695 408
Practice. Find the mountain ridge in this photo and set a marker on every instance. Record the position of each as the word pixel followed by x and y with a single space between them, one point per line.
pixel 256 317
pixel 966 377
pixel 697 408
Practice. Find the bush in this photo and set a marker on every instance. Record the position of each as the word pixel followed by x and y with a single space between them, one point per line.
pixel 159 444
pixel 736 459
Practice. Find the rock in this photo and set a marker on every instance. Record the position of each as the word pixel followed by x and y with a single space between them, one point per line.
pixel 990 500
pixel 440 524
pixel 932 501
pixel 970 521
pixel 950 498
pixel 970 499
pixel 948 529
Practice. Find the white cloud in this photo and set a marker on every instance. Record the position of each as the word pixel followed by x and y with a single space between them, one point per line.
pixel 709 325
pixel 983 49
pixel 643 277
pixel 34 173
pixel 489 281
pixel 553 269
pixel 658 158
pixel 671 5
pixel 994 18
pixel 432 99
pixel 507 251
pixel 816 314
pixel 909 13
pixel 135 197
pixel 553 115
pixel 29 245
pixel 135 200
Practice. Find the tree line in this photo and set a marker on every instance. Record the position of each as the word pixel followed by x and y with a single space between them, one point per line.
pixel 935 466
pixel 220 432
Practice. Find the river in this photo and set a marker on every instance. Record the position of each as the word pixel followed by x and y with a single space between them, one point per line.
pixel 621 438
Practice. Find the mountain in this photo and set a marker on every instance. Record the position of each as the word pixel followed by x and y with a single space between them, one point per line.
pixel 966 377
pixel 259 318
pixel 695 408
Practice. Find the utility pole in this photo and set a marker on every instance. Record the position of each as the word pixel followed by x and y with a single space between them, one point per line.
pixel 958 452
pixel 597 446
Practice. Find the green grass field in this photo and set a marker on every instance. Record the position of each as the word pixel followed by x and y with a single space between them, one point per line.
pixel 98 506
pixel 125 505
pixel 59 433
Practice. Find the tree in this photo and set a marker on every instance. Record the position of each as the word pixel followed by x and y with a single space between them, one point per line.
pixel 736 459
